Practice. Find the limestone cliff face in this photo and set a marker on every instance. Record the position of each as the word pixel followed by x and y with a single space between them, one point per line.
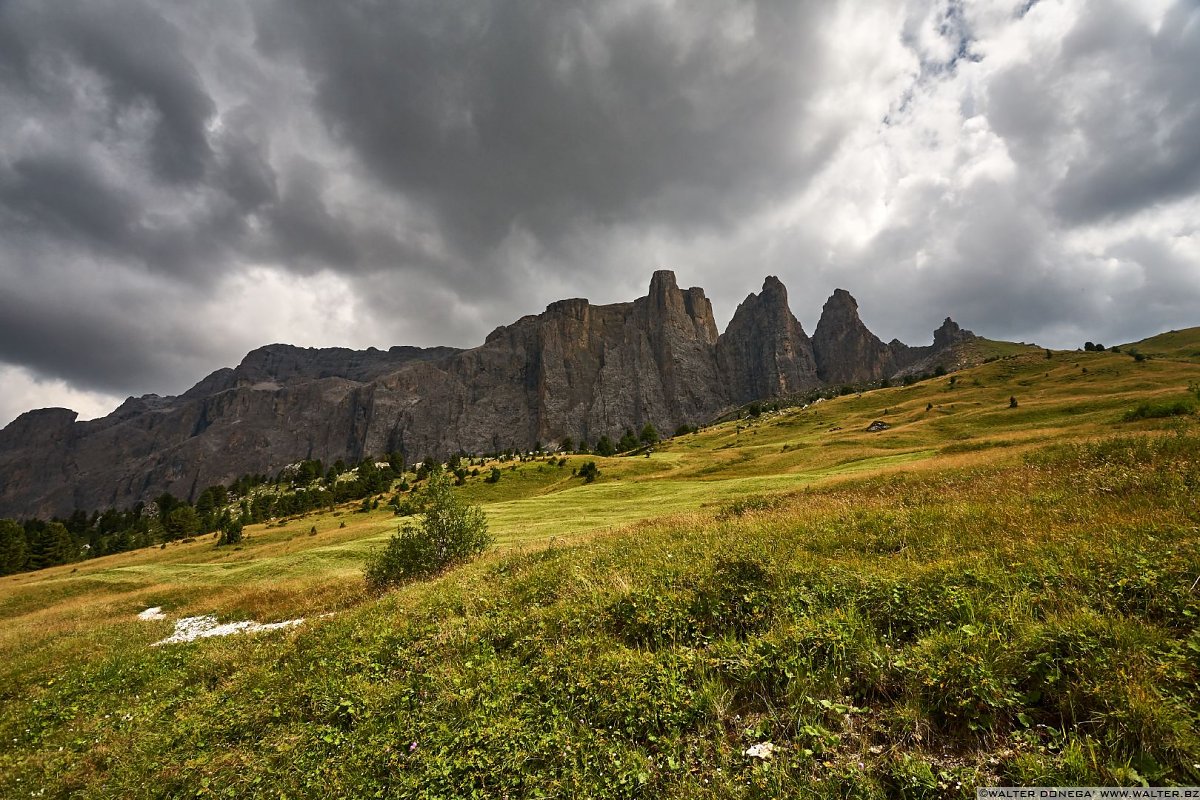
pixel 577 370
pixel 765 352
pixel 846 352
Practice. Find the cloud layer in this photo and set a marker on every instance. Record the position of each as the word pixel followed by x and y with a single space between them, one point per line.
pixel 182 183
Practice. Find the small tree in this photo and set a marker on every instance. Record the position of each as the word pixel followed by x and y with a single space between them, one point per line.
pixel 649 434
pixel 604 446
pixel 231 531
pixel 182 522
pixel 589 472
pixel 1012 401
pixel 451 532
pixel 493 476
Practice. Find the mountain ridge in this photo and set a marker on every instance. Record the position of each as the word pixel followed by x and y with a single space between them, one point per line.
pixel 577 370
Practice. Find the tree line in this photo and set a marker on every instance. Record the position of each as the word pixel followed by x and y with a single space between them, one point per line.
pixel 299 488
pixel 35 543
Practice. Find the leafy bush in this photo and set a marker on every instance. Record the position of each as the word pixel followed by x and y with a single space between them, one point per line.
pixel 451 533
pixel 589 472
pixel 1147 410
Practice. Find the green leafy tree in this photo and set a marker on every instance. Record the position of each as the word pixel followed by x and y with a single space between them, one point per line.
pixel 628 442
pixel 450 533
pixel 589 472
pixel 493 476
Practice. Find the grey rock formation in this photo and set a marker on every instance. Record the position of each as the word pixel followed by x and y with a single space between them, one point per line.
pixel 765 352
pixel 577 370
pixel 846 352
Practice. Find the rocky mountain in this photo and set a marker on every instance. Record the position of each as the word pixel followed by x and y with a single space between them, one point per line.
pixel 577 370
pixel 765 352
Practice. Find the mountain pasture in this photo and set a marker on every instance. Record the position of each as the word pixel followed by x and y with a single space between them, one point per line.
pixel 984 592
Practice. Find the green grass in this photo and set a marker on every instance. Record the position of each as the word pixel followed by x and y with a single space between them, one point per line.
pixel 977 595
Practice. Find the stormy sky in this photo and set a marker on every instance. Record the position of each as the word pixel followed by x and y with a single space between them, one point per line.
pixel 183 182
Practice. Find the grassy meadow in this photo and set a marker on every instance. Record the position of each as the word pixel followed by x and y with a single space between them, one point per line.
pixel 980 594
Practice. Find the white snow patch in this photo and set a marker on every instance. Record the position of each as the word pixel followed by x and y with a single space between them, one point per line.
pixel 763 750
pixel 151 614
pixel 190 629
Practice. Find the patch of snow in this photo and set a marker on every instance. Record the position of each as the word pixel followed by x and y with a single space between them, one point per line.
pixel 189 629
pixel 763 750
pixel 151 614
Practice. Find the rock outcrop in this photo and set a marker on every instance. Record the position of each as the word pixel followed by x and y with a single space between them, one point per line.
pixel 846 352
pixel 577 370
pixel 765 352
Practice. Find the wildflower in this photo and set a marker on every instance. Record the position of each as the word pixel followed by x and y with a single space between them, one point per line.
pixel 412 747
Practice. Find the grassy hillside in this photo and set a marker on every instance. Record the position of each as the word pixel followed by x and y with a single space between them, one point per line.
pixel 979 593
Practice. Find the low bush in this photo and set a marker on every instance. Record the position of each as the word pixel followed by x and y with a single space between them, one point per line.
pixel 450 533
pixel 1148 410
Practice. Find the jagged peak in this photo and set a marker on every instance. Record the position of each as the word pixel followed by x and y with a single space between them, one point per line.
pixel 839 311
pixel 772 285
pixel 841 298
pixel 950 333
pixel 662 281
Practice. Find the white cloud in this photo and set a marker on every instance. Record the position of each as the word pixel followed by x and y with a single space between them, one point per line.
pixel 23 391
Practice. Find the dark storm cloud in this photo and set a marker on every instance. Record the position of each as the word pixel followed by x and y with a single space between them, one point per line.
pixel 137 56
pixel 445 166
pixel 550 115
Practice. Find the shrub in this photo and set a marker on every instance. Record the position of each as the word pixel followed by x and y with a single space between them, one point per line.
pixel 589 471
pixel 493 476
pixel 1146 410
pixel 452 532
